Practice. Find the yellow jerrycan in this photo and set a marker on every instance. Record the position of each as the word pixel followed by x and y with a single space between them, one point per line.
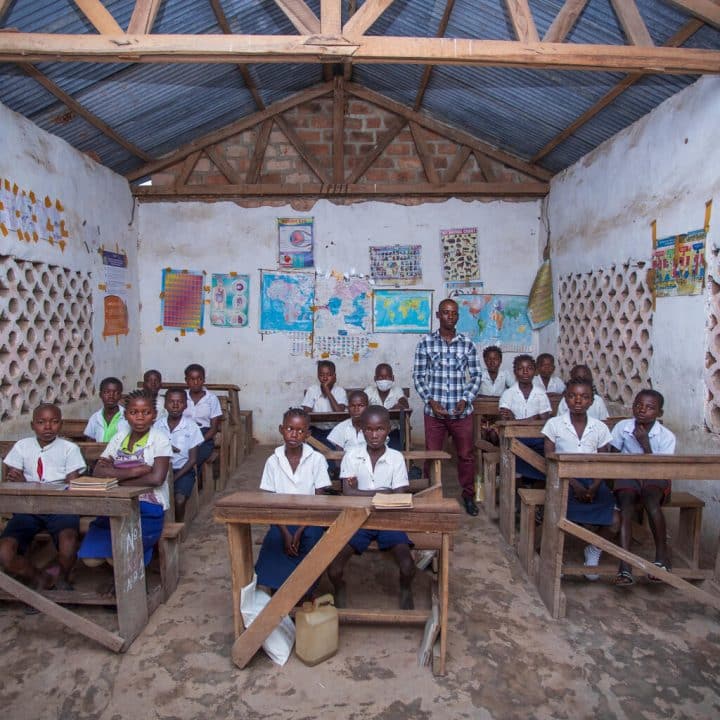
pixel 316 630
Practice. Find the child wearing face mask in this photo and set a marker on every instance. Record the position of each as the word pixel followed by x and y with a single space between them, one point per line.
pixel 386 393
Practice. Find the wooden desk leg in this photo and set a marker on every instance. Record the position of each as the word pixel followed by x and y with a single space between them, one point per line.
pixel 241 567
pixel 444 589
pixel 507 491
pixel 437 472
pixel 129 571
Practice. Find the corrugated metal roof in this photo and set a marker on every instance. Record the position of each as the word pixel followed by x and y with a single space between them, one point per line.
pixel 160 107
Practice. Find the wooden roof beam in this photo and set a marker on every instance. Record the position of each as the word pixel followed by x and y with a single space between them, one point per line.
pixel 330 18
pixel 100 17
pixel 143 16
pixel 564 21
pixel 365 17
pixel 707 10
pixel 301 16
pixel 425 81
pixel 522 20
pixel 632 23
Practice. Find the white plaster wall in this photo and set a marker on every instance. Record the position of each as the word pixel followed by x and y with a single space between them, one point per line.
pixel 98 210
pixel 663 167
pixel 222 237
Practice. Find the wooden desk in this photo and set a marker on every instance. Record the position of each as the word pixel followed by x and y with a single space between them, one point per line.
pixel 73 429
pixel 613 466
pixel 343 516
pixel 402 416
pixel 121 505
pixel 486 408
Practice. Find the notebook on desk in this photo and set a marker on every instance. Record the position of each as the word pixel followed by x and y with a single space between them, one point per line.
pixel 88 482
pixel 392 501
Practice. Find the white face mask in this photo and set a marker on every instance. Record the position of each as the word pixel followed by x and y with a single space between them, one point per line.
pixel 384 385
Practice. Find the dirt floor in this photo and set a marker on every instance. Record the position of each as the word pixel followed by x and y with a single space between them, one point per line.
pixel 642 653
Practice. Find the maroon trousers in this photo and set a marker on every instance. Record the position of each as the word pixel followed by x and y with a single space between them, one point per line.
pixel 461 431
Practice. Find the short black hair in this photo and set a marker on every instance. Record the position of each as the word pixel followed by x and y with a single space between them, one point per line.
pixel 47 406
pixel 153 372
pixel 581 366
pixel 175 391
pixel 110 381
pixel 329 364
pixel 545 356
pixel 649 392
pixel 523 358
pixel 358 393
pixel 384 365
pixel 296 412
pixel 583 383
pixel 491 348
pixel 376 411
pixel 195 367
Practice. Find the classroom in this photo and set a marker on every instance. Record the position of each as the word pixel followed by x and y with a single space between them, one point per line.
pixel 259 186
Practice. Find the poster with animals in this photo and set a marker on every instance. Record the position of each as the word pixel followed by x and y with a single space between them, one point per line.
pixel 460 254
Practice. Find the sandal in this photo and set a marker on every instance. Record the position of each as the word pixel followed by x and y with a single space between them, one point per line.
pixel 652 578
pixel 624 578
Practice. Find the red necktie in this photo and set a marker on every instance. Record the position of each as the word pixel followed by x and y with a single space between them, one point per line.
pixel 40 468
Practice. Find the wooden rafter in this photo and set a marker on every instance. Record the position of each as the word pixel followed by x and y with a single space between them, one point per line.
pixel 330 18
pixel 186 170
pixel 707 10
pixel 382 142
pixel 364 18
pixel 39 47
pixel 302 150
pixel 143 16
pixel 522 20
pixel 457 164
pixel 689 29
pixel 632 23
pixel 72 104
pixel 100 17
pixel 425 81
pixel 485 166
pixel 301 16
pixel 338 130
pixel 424 153
pixel 218 159
pixel 564 21
pixel 261 143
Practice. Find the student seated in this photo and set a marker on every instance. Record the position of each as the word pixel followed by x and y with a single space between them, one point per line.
pixel 203 407
pixel 598 409
pixel 185 438
pixel 152 383
pixel 102 425
pixel 494 381
pixel 44 458
pixel 139 457
pixel 385 392
pixel 590 502
pixel 643 434
pixel 294 468
pixel 349 432
pixel 544 377
pixel 366 470
pixel 324 397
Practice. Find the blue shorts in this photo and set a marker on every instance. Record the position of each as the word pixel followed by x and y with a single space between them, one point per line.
pixel 184 484
pixel 23 528
pixel 385 539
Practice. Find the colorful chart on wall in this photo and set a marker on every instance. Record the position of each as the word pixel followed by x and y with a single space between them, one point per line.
pixel 496 320
pixel 286 301
pixel 402 311
pixel 679 264
pixel 229 299
pixel 295 243
pixel 460 254
pixel 396 262
pixel 182 299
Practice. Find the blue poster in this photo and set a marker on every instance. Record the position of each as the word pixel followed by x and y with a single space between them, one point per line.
pixel 286 301
pixel 402 311
pixel 500 320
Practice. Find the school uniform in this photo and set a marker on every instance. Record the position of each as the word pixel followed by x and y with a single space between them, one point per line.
pixel 273 566
pixel 536 403
pixel 662 442
pixel 555 384
pixel 184 437
pixel 389 473
pixel 153 504
pixel 597 410
pixel 395 394
pixel 495 387
pixel 345 435
pixel 160 407
pixel 203 412
pixel 317 402
pixel 560 430
pixel 102 431
pixel 49 464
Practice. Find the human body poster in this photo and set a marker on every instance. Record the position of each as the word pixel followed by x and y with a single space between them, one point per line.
pixel 679 264
pixel 295 243
pixel 229 298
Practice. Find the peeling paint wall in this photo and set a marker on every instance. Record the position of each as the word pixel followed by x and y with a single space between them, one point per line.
pixel 221 237
pixel 99 212
pixel 663 167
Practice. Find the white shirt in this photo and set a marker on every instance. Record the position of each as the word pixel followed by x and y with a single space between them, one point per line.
pixel 160 407
pixel 390 471
pixel 59 459
pixel 560 430
pixel 597 410
pixel 662 440
pixel 556 385
pixel 317 402
pixel 158 445
pixel 96 425
pixel 345 435
pixel 395 394
pixel 536 403
pixel 311 473
pixel 183 439
pixel 496 387
pixel 206 408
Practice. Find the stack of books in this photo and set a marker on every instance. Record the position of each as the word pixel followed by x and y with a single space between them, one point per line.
pixel 87 482
pixel 392 501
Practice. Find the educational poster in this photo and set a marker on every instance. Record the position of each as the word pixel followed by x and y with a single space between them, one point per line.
pixel 295 243
pixel 496 320
pixel 229 299
pixel 460 254
pixel 679 264
pixel 115 288
pixel 396 263
pixel 30 217
pixel 182 299
pixel 352 346
pixel 472 287
pixel 286 301
pixel 402 311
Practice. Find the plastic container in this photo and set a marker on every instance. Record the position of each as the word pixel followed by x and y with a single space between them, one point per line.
pixel 316 630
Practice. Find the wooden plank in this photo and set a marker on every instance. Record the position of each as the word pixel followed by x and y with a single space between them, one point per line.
pixel 444 592
pixel 241 567
pixel 99 16
pixel 156 48
pixel 424 153
pixel 564 21
pixel 661 467
pixel 529 456
pixel 292 590
pixel 75 622
pixel 218 159
pixel 330 18
pixel 338 130
pixel 383 141
pixel 143 16
pixel 186 170
pixel 707 10
pixel 632 23
pixel 689 29
pixel 303 150
pixel 72 104
pixel 229 131
pixel 507 490
pixel 301 16
pixel 522 21
pixel 425 81
pixel 261 142
pixel 382 617
pixel 364 17
pixel 485 166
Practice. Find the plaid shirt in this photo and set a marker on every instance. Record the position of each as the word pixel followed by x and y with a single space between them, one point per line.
pixel 447 372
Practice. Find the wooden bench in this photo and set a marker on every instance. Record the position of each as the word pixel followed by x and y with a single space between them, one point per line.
pixel 169 558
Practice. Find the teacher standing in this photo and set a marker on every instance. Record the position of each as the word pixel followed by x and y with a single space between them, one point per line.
pixel 447 377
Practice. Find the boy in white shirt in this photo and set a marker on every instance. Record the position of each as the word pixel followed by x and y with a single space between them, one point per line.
pixel 349 432
pixel 204 408
pixel 105 423
pixel 385 392
pixel 152 383
pixel 325 397
pixel 368 470
pixel 544 378
pixel 45 458
pixel 524 401
pixel 185 438
pixel 494 381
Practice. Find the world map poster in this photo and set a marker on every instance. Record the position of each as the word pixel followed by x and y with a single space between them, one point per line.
pixel 286 301
pixel 500 320
pixel 402 311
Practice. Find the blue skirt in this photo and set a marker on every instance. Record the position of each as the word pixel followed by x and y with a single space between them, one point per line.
pixel 98 541
pixel 598 512
pixel 273 566
pixel 525 469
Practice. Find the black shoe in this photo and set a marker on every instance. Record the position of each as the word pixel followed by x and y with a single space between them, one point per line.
pixel 470 507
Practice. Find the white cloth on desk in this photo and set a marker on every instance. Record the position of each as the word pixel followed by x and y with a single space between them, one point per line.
pixel 311 473
pixel 662 440
pixel 560 430
pixel 495 387
pixel 556 385
pixel 597 410
pixel 345 435
pixel 184 437
pixel 390 471
pixel 536 403
pixel 204 410
pixel 59 459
